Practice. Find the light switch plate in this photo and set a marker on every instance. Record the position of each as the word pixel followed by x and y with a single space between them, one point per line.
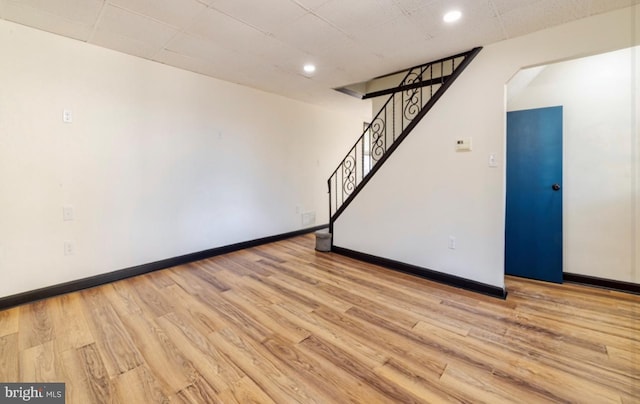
pixel 493 162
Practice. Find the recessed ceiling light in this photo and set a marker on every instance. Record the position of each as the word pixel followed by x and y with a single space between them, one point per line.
pixel 452 16
pixel 309 68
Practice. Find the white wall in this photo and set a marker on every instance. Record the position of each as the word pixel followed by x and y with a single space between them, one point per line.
pixel 157 163
pixel 427 192
pixel 600 165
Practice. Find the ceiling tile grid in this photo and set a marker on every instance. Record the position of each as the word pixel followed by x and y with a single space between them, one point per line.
pixel 176 14
pixel 79 11
pixel 358 15
pixel 139 27
pixel 266 16
pixel 46 21
pixel 265 43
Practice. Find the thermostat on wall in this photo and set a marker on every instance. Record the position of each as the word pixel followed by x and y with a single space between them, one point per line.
pixel 463 144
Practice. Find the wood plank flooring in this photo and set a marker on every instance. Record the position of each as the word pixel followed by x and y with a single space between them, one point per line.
pixel 282 323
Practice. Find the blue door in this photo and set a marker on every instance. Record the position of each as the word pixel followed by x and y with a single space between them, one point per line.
pixel 533 234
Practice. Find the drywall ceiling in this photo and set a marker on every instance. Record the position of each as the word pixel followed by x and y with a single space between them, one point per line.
pixel 265 43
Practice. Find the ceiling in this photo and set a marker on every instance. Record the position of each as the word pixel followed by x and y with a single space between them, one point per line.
pixel 265 43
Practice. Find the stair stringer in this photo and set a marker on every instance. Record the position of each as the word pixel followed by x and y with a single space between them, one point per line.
pixel 428 192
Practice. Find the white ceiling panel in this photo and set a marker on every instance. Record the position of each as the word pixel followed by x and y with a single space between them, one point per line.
pixel 309 34
pixel 535 17
pixel 382 40
pixel 429 18
pixel 78 11
pixel 44 20
pixel 260 14
pixel 275 52
pixel 410 6
pixel 224 30
pixel 183 61
pixel 124 44
pixel 198 47
pixel 601 6
pixel 177 14
pixel 138 27
pixel 503 6
pixel 356 15
pixel 310 4
pixel 348 54
pixel 264 43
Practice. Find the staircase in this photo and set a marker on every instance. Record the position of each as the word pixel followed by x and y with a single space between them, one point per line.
pixel 407 104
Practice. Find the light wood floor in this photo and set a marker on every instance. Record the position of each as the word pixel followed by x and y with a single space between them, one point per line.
pixel 282 323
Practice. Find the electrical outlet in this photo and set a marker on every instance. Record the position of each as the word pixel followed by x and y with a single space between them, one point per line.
pixel 69 248
pixel 452 242
pixel 67 116
pixel 308 218
pixel 67 213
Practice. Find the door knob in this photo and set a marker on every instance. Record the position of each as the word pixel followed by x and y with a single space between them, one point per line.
pixel 555 187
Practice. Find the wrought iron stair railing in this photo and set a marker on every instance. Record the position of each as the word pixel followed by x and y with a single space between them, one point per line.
pixel 408 103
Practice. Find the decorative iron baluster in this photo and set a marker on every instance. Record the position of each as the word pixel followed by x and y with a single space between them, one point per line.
pixel 412 105
pixel 349 174
pixel 377 140
pixel 378 128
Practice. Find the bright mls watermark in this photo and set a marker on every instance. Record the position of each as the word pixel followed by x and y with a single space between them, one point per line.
pixel 40 393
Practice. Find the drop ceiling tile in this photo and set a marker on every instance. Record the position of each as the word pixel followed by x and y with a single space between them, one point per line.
pixel 537 16
pixel 356 15
pixel 219 69
pixel 329 74
pixel 381 40
pixel 264 15
pixel 119 23
pixel 410 6
pixel 124 44
pixel 43 20
pixel 310 34
pixel 274 51
pixel 264 43
pixel 78 11
pixel 181 61
pixel 276 80
pixel 429 18
pixel 310 4
pixel 601 6
pixel 199 48
pixel 179 14
pixel 351 62
pixel 228 32
pixel 503 6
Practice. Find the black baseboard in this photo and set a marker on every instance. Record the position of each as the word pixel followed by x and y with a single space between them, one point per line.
pixel 432 275
pixel 603 283
pixel 97 280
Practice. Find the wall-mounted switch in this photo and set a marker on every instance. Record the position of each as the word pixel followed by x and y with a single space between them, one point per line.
pixel 67 213
pixel 452 242
pixel 463 144
pixel 67 116
pixel 493 162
